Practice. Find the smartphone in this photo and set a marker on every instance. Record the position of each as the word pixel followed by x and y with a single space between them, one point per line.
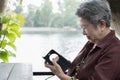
pixel 63 62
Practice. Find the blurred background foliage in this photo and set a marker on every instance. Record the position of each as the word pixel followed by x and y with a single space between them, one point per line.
pixel 10 24
pixel 44 15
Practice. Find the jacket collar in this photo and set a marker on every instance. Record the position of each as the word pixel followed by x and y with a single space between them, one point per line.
pixel 106 40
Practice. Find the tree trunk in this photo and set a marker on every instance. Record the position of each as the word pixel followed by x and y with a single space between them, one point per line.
pixel 3 4
pixel 116 22
pixel 0 26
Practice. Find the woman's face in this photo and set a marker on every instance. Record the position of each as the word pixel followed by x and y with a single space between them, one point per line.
pixel 92 32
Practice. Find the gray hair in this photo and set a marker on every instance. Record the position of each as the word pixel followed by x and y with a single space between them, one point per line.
pixel 94 11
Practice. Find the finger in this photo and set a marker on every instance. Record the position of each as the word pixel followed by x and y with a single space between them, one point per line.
pixel 55 62
pixel 56 58
pixel 47 65
pixel 45 62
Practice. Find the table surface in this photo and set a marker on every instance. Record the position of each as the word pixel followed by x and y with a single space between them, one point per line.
pixel 15 71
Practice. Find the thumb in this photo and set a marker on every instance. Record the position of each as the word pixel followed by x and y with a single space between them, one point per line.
pixel 54 61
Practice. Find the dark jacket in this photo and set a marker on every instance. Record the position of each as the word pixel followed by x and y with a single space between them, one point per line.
pixel 102 63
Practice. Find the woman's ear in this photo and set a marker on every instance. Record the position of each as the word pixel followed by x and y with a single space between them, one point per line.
pixel 102 23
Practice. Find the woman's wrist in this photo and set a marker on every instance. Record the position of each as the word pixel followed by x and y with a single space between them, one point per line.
pixel 64 77
pixel 72 78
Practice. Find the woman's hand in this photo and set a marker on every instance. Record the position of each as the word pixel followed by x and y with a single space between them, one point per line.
pixel 56 69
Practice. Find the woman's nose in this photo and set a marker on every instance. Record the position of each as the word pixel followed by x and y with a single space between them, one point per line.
pixel 84 32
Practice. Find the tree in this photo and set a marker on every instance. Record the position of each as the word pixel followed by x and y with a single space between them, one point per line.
pixel 37 19
pixel 66 15
pixel 9 31
pixel 18 9
pixel 45 13
pixel 70 7
pixel 39 16
pixel 30 15
pixel 57 20
pixel 44 16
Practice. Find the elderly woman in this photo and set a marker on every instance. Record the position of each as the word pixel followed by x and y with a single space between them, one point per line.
pixel 99 58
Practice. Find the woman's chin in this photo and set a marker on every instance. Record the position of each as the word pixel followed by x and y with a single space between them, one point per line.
pixel 91 41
